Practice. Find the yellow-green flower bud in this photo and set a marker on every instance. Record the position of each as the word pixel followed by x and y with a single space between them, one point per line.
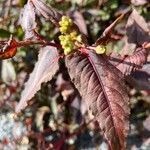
pixel 63 29
pixel 65 24
pixel 79 38
pixel 67 50
pixel 61 37
pixel 67 43
pixel 73 35
pixel 70 38
pixel 100 49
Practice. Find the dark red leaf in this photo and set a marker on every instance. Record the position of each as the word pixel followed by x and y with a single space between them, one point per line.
pixel 9 50
pixel 102 87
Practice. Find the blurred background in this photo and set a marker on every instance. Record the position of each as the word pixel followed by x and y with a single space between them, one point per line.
pixel 57 118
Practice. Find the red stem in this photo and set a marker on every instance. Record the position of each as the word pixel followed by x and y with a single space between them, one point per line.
pixel 28 43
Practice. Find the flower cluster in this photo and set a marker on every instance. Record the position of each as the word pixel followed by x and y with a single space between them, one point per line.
pixel 68 37
pixel 65 24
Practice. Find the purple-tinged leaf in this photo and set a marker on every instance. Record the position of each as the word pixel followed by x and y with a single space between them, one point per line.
pixel 102 87
pixel 27 20
pixel 47 11
pixel 137 35
pixel 133 62
pixel 135 66
pixel 128 48
pixel 142 78
pixel 106 36
pixel 137 29
pixel 146 123
pixel 44 70
pixel 79 21
pixel 139 2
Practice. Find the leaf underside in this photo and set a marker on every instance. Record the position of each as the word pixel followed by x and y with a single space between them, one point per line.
pixel 44 70
pixel 102 87
pixel 27 20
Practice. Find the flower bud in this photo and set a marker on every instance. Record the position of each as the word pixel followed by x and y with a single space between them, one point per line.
pixel 100 49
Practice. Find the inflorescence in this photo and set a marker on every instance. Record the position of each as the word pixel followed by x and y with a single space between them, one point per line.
pixel 70 39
